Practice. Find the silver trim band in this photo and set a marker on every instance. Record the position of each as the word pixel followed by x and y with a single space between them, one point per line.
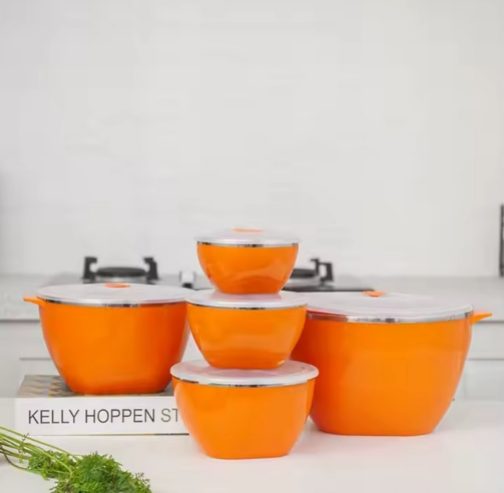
pixel 381 320
pixel 302 305
pixel 247 245
pixel 110 305
pixel 249 386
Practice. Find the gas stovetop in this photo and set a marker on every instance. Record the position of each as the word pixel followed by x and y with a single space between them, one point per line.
pixel 148 274
pixel 318 277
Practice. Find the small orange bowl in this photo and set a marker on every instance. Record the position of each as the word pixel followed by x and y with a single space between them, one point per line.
pixel 247 331
pixel 244 414
pixel 247 261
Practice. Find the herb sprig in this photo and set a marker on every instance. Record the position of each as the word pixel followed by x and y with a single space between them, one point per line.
pixel 92 473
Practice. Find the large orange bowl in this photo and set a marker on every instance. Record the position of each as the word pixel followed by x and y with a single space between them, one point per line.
pixel 247 261
pixel 253 331
pixel 258 415
pixel 384 377
pixel 114 349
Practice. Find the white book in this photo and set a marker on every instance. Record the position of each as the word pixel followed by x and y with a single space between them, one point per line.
pixel 45 406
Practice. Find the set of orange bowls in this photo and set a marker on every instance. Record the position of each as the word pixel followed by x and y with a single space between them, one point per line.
pixel 389 363
pixel 246 400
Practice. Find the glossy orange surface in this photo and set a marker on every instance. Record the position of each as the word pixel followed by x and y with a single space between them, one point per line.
pixel 244 422
pixel 383 379
pixel 246 338
pixel 114 350
pixel 247 270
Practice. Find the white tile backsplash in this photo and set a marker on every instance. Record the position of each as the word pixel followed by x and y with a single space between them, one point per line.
pixel 373 129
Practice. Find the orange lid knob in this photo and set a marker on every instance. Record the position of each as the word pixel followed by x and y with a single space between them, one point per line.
pixel 374 294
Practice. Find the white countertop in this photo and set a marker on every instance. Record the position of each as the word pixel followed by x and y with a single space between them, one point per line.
pixel 465 455
pixel 484 293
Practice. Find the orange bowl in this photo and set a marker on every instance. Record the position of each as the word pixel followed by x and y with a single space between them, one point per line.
pixel 246 420
pixel 247 261
pixel 257 331
pixel 247 270
pixel 383 378
pixel 114 349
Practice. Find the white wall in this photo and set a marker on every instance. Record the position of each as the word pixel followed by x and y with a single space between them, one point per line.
pixel 372 128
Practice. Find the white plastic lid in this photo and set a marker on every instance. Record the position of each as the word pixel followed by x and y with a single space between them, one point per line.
pixel 216 299
pixel 248 237
pixel 112 294
pixel 379 307
pixel 290 373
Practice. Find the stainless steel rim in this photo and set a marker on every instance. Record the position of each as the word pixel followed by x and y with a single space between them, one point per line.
pixel 255 308
pixel 247 386
pixel 248 245
pixel 110 305
pixel 384 320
